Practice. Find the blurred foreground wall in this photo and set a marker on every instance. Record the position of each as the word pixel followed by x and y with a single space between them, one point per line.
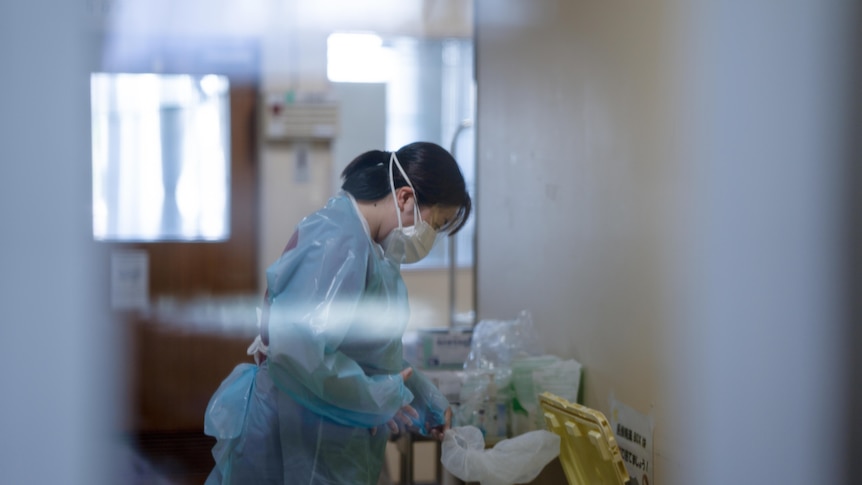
pixel 59 354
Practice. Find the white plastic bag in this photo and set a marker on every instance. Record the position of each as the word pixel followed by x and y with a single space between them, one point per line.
pixel 514 460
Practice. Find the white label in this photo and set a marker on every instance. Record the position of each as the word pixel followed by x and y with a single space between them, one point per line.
pixel 450 348
pixel 130 280
pixel 634 435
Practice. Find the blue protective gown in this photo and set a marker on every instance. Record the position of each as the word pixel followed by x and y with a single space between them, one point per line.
pixel 337 312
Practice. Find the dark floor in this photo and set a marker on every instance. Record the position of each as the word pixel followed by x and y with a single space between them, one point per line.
pixel 171 458
pixel 177 458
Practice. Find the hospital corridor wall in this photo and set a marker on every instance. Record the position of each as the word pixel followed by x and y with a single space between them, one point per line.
pixel 662 184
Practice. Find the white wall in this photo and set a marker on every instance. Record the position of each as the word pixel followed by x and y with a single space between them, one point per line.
pixel 362 116
pixel 657 183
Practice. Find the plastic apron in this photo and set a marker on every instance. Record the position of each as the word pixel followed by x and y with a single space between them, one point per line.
pixel 337 313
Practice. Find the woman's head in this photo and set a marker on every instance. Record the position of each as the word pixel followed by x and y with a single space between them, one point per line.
pixel 433 172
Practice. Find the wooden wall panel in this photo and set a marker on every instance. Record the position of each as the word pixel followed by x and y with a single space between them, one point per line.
pixel 185 269
pixel 175 370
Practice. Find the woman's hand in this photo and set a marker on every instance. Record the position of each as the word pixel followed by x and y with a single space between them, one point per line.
pixel 406 373
pixel 438 431
pixel 403 419
pixel 405 415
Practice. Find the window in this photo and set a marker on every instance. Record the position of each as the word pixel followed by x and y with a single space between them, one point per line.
pixel 430 97
pixel 161 148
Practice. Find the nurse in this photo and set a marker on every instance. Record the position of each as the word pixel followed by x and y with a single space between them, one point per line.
pixel 330 383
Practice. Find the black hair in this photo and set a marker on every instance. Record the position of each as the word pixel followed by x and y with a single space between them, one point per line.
pixel 434 173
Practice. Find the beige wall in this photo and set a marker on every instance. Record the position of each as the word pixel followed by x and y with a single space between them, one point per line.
pixel 659 183
pixel 429 295
pixel 576 185
pixel 285 199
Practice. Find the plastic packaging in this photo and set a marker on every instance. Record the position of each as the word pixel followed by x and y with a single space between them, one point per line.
pixel 514 460
pixel 496 343
pixel 496 414
pixel 487 407
pixel 485 401
pixel 486 395
pixel 533 375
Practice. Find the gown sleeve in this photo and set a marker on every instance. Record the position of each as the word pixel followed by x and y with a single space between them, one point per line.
pixel 428 402
pixel 316 292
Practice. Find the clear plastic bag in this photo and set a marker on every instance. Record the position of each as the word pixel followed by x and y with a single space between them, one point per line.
pixel 514 460
pixel 496 343
pixel 532 376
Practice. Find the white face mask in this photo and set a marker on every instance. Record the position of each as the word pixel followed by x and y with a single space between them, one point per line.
pixel 407 244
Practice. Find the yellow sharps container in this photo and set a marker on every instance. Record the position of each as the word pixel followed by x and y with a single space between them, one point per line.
pixel 588 450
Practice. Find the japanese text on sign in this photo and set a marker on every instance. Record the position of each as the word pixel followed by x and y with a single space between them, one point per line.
pixel 630 435
pixel 634 438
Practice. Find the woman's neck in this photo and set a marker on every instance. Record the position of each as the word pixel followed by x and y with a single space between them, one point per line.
pixel 373 212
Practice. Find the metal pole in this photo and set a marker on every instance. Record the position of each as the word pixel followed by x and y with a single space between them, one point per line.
pixel 453 256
